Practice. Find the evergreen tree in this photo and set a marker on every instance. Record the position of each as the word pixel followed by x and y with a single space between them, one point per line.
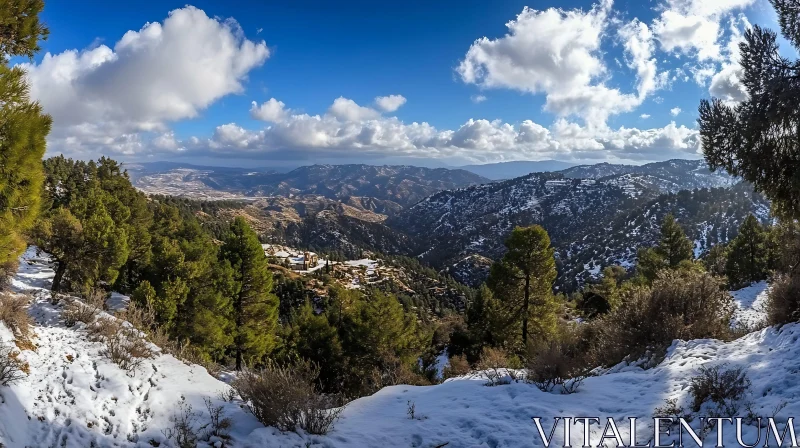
pixel 716 260
pixel 62 236
pixel 255 308
pixel 312 337
pixel 674 247
pixel 747 254
pixel 756 138
pixel 523 282
pixel 23 128
pixel 672 250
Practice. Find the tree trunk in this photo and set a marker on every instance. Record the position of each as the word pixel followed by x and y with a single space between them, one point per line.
pixel 62 267
pixel 525 309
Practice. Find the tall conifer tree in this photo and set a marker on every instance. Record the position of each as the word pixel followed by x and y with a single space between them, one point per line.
pixel 23 127
pixel 255 308
pixel 523 281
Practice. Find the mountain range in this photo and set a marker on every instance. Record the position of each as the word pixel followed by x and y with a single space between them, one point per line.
pixel 457 221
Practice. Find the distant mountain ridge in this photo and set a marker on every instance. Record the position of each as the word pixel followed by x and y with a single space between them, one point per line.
pixel 593 221
pixel 400 184
pixel 510 170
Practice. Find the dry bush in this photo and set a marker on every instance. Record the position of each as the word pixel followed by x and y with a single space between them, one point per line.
pixel 285 396
pixel 559 362
pixel 11 368
pixel 85 310
pixel 183 433
pixel 14 313
pixel 783 305
pixel 497 365
pixel 125 345
pixel 670 409
pixel 723 387
pixel 143 318
pixel 457 366
pixel 680 304
pixel 7 269
pixel 218 426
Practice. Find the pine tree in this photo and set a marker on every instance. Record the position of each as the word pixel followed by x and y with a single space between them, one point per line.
pixel 747 254
pixel 255 308
pixel 23 128
pixel 523 282
pixel 756 139
pixel 716 260
pixel 672 250
pixel 313 338
pixel 61 235
pixel 674 246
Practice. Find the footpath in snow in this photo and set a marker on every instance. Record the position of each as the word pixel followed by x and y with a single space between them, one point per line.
pixel 75 397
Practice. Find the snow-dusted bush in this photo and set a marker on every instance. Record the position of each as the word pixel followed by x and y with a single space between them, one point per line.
pixel 723 387
pixel 219 425
pixel 783 305
pixel 680 304
pixel 85 310
pixel 14 313
pixel 456 366
pixel 284 396
pixel 11 370
pixel 6 270
pixel 125 345
pixel 498 366
pixel 670 409
pixel 558 362
pixel 183 432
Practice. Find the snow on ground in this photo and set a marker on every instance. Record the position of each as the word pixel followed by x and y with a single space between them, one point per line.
pixel 75 397
pixel 751 302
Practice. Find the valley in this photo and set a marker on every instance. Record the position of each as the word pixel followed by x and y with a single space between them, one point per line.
pixel 596 215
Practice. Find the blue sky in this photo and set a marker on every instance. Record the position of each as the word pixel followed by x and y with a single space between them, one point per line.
pixel 579 91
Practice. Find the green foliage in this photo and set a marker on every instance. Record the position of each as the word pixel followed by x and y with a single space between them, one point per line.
pixel 255 308
pixel 20 29
pixel 522 282
pixel 23 128
pixel 609 285
pixel 685 303
pixel 673 249
pixel 716 260
pixel 756 138
pixel 747 254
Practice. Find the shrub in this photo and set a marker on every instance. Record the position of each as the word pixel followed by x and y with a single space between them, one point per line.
pixel 670 409
pixel 559 362
pixel 11 369
pixel 285 396
pixel 218 425
pixel 723 387
pixel 84 310
pixel 783 305
pixel 125 345
pixel 498 366
pixel 183 432
pixel 14 313
pixel 680 304
pixel 7 269
pixel 457 366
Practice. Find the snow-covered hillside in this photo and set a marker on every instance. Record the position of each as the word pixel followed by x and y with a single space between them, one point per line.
pixel 75 397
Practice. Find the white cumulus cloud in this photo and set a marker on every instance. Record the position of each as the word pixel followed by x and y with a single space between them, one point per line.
pixel 675 111
pixel 558 52
pixel 390 103
pixel 271 110
pixel 348 110
pixel 164 72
